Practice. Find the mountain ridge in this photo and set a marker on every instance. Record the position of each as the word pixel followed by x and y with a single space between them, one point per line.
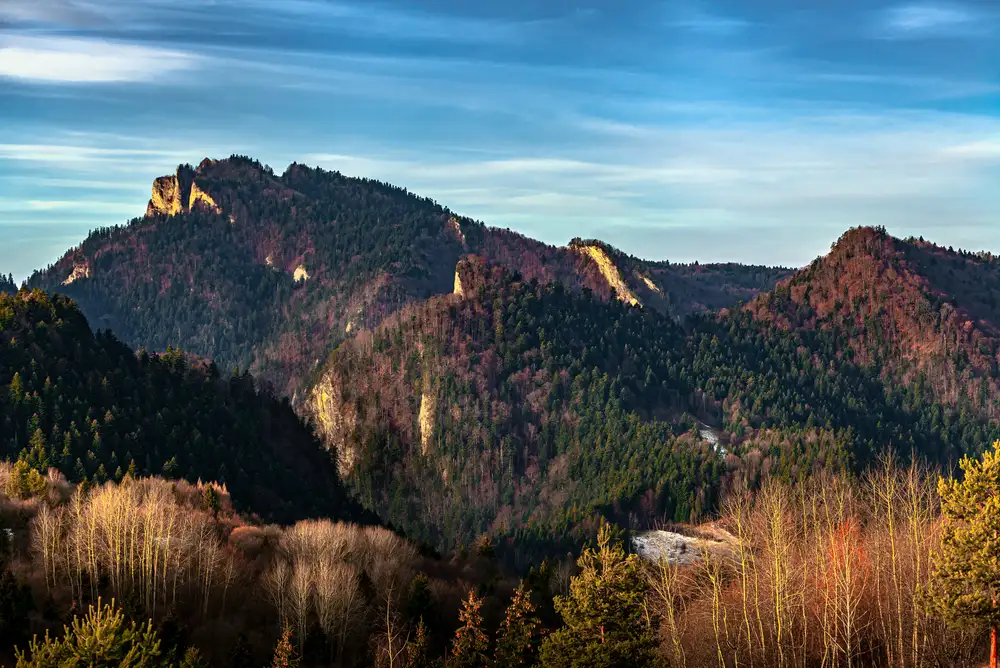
pixel 270 272
pixel 789 392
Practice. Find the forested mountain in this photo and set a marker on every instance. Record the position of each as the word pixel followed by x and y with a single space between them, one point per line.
pixel 924 314
pixel 513 404
pixel 518 408
pixel 536 387
pixel 7 285
pixel 89 406
pixel 270 272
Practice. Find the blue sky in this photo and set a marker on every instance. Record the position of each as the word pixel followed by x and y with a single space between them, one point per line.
pixel 751 130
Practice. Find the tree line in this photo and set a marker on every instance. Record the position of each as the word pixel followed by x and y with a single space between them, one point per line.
pixel 893 569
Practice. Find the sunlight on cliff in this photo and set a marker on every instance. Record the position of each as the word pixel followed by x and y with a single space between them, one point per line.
pixel 79 271
pixel 611 274
pixel 428 407
pixel 200 196
pixel 169 198
pixel 650 284
pixel 166 197
pixel 333 422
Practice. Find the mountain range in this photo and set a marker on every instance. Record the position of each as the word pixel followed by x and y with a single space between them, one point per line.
pixel 270 273
pixel 470 380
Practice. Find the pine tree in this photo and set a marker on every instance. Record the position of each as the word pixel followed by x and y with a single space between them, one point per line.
pixel 38 455
pixel 24 481
pixel 419 599
pixel 604 615
pixel 418 649
pixel 212 500
pixel 470 645
pixel 965 582
pixel 517 638
pixel 193 659
pixel 284 652
pixel 100 639
pixel 170 468
pixel 16 388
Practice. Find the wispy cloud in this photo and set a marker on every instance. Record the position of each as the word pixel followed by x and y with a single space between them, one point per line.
pixel 695 18
pixel 84 157
pixel 52 59
pixel 359 17
pixel 382 18
pixel 68 12
pixel 814 175
pixel 935 88
pixel 985 150
pixel 932 19
pixel 90 206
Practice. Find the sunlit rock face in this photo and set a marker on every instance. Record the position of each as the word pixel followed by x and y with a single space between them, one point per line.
pixel 610 272
pixel 179 193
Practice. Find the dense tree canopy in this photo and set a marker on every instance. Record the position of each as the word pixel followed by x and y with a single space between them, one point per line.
pixel 87 405
pixel 520 407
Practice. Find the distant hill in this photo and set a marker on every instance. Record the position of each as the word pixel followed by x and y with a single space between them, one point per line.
pixel 89 406
pixel 524 409
pixel 270 272
pixel 7 285
pixel 923 314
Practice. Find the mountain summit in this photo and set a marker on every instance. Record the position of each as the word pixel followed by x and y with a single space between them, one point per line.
pixel 916 309
pixel 271 272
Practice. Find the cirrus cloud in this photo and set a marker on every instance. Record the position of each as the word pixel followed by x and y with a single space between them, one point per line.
pixel 933 19
pixel 52 59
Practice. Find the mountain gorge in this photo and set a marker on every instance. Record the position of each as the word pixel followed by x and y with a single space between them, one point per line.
pixel 511 404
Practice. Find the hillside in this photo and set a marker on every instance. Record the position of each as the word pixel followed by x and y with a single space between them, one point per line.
pixel 89 406
pixel 7 285
pixel 513 405
pixel 270 272
pixel 518 408
pixel 923 314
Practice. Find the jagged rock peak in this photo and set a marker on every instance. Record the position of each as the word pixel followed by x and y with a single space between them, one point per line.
pixel 180 192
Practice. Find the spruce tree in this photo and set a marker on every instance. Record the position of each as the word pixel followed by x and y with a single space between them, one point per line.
pixel 419 599
pixel 24 481
pixel 469 647
pixel 965 581
pixel 284 652
pixel 517 638
pixel 604 616
pixel 418 649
